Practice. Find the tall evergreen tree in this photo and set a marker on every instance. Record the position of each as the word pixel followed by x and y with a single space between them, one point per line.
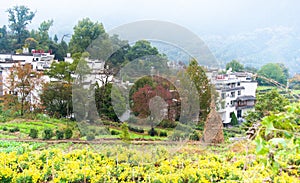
pixel 198 76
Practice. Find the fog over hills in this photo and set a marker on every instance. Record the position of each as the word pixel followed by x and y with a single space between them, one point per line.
pixel 279 44
pixel 256 48
pixel 253 32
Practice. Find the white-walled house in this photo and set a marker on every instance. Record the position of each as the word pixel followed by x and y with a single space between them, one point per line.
pixel 39 61
pixel 237 93
pixel 98 72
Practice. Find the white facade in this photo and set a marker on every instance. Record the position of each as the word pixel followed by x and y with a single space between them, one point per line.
pixel 237 94
pixel 38 62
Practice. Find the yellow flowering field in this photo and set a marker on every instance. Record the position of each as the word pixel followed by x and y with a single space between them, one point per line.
pixel 140 163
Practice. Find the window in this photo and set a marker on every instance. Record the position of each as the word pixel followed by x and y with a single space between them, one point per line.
pixel 223 95
pixel 232 103
pixel 232 94
pixel 239 113
pixel 239 92
pixel 239 84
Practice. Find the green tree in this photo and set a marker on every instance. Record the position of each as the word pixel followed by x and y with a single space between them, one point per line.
pixel 55 39
pixel 59 49
pixel 84 33
pixel 234 120
pixel 5 40
pixel 119 56
pixel 275 71
pixel 235 66
pixel 60 71
pixel 43 34
pixel 80 66
pixel 104 102
pixel 141 48
pixel 198 76
pixel 19 17
pixel 56 97
pixel 270 102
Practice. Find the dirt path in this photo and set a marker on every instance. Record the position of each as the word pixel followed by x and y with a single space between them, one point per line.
pixel 102 141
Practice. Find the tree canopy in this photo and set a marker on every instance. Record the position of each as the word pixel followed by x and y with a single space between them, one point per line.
pixel 201 82
pixel 19 17
pixel 84 33
pixel 22 82
pixel 267 103
pixel 235 66
pixel 275 71
pixel 141 48
pixel 56 97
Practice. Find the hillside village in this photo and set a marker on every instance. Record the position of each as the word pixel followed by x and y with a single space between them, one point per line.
pixel 96 106
pixel 237 90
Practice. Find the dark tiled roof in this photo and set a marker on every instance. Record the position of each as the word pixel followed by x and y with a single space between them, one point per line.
pixel 246 97
pixel 233 89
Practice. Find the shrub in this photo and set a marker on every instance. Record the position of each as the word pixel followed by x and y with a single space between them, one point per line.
pixel 4 128
pixel 184 127
pixel 152 132
pixel 93 130
pixel 90 136
pixel 234 120
pixel 68 133
pixel 103 131
pixel 15 129
pixel 136 129
pixel 83 132
pixel 42 117
pixel 114 132
pixel 33 133
pixel 125 136
pixel 194 136
pixel 163 134
pixel 165 123
pixel 48 134
pixel 200 126
pixel 59 134
pixel 3 118
pixel 177 135
pixel 111 123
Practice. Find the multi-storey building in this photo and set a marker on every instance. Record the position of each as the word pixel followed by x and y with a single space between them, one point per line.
pixel 237 94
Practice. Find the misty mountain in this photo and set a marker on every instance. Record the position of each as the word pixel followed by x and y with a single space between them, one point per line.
pixel 278 45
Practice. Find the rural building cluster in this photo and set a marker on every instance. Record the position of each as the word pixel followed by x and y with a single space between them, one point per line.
pixel 237 90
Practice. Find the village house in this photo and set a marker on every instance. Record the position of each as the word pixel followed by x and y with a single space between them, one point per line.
pixel 39 61
pixel 237 93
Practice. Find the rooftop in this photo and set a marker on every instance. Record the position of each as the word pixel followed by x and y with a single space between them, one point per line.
pixel 245 97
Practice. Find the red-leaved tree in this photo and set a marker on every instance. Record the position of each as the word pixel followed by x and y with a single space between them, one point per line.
pixel 142 98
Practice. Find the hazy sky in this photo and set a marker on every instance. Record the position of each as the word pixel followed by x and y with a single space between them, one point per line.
pixel 200 16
